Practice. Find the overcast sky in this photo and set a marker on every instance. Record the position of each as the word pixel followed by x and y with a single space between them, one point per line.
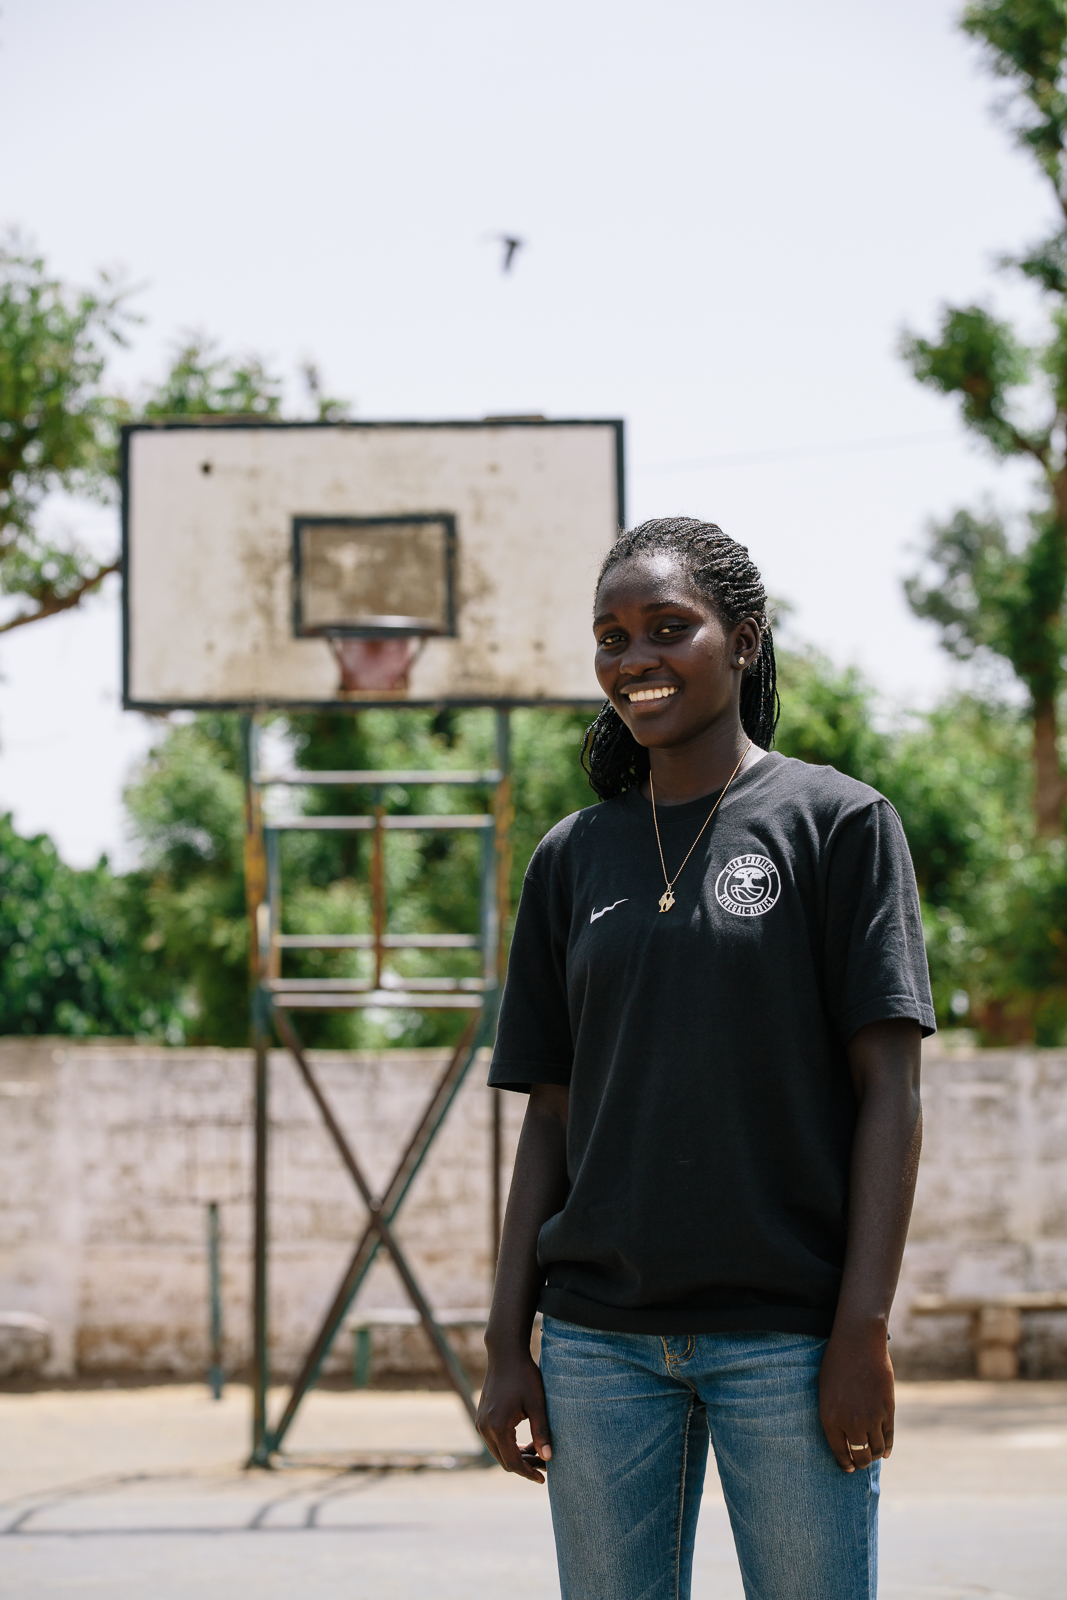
pixel 729 214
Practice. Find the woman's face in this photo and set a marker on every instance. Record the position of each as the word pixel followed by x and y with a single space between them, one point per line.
pixel 665 660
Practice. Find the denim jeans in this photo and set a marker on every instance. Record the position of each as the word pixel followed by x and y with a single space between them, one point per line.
pixel 630 1415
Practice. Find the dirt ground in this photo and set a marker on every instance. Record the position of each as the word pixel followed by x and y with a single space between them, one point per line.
pixel 141 1495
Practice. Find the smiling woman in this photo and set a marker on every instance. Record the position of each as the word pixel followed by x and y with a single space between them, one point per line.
pixel 714 1179
pixel 687 564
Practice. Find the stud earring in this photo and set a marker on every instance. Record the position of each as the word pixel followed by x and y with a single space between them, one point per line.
pixel 740 661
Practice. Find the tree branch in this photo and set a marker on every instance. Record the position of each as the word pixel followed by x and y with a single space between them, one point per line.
pixel 56 603
pixel 1039 449
pixel 1061 198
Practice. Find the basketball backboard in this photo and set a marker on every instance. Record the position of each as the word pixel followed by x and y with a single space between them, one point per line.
pixel 331 564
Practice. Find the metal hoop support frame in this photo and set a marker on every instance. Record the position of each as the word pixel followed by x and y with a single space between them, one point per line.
pixel 274 998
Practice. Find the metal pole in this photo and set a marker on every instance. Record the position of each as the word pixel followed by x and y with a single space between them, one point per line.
pixel 377 875
pixel 477 1031
pixel 378 1219
pixel 504 813
pixel 361 1359
pixel 260 1371
pixel 274 900
pixel 214 1371
pixel 255 865
pixel 255 852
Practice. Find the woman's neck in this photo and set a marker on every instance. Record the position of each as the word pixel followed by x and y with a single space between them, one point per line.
pixel 687 772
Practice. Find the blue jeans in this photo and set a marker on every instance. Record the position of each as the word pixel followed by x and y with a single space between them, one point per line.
pixel 630 1415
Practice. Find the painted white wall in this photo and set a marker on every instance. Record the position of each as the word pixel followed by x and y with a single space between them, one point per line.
pixel 109 1153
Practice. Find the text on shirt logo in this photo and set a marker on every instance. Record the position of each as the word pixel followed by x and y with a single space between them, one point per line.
pixel 593 915
pixel 748 886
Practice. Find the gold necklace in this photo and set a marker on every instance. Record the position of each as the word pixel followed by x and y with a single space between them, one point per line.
pixel 666 900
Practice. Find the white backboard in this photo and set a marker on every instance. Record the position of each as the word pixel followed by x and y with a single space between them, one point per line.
pixel 230 532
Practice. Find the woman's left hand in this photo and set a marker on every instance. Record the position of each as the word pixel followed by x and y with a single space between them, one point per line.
pixel 856 1397
pixel 856 1380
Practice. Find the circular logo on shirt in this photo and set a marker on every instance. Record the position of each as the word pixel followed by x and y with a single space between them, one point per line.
pixel 748 886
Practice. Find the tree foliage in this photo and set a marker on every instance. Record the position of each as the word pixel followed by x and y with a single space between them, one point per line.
pixel 170 958
pixel 986 594
pixel 76 949
pixel 57 426
pixel 186 808
pixel 203 382
pixel 59 420
pixel 1025 41
pixel 989 588
pixel 829 716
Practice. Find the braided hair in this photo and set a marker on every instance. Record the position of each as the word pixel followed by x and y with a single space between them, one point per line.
pixel 721 570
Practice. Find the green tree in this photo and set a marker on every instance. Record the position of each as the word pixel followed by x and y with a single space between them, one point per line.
pixel 186 806
pixel 176 950
pixel 958 778
pixel 59 423
pixel 829 716
pixel 57 426
pixel 76 953
pixel 987 587
pixel 203 382
pixel 186 809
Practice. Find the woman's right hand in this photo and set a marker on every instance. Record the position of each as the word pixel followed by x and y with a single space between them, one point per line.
pixel 513 1392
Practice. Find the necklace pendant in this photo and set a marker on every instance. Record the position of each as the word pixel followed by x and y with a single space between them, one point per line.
pixel 666 900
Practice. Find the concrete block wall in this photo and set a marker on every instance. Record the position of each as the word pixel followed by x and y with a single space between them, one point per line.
pixel 991 1205
pixel 110 1152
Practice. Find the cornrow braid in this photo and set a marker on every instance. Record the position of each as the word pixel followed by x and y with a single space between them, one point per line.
pixel 722 571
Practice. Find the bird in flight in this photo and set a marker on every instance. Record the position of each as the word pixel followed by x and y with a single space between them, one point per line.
pixel 510 247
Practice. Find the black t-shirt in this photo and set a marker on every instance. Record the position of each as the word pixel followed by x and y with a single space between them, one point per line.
pixel 711 1107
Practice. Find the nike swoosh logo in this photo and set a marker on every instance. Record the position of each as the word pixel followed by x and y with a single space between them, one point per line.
pixel 593 915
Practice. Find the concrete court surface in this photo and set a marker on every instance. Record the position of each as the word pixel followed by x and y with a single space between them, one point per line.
pixel 139 1494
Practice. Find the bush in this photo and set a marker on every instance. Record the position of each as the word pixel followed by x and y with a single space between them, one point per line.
pixel 76 954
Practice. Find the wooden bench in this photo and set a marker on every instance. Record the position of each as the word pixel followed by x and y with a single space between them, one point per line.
pixel 406 1317
pixel 996 1324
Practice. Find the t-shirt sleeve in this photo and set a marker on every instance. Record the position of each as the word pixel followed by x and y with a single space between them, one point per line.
pixel 533 1036
pixel 876 964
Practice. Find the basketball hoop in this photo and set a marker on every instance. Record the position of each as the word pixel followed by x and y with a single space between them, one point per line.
pixel 310 565
pixel 376 588
pixel 325 564
pixel 370 666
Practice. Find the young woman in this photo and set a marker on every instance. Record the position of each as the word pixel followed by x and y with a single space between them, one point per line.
pixel 715 998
